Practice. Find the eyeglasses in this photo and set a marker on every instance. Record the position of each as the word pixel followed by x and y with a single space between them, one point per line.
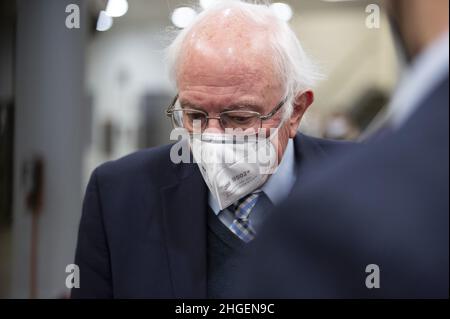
pixel 235 119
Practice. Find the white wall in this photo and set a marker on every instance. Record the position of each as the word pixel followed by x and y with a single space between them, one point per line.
pixel 137 50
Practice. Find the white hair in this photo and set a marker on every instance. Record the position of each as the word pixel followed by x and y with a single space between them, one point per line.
pixel 295 68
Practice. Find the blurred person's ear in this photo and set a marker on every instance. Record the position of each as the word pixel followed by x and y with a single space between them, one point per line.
pixel 394 10
pixel 301 104
pixel 416 23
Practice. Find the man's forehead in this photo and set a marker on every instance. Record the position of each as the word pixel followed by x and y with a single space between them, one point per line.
pixel 225 79
pixel 232 32
pixel 229 59
pixel 227 34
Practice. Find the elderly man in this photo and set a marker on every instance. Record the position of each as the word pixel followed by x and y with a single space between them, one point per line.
pixel 155 228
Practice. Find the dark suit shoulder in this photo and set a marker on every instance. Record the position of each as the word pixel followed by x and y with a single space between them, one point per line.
pixel 327 143
pixel 319 147
pixel 153 162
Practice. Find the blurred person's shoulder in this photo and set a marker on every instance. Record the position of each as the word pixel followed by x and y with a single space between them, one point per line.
pixel 407 159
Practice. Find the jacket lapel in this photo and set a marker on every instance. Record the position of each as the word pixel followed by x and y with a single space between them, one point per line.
pixel 184 218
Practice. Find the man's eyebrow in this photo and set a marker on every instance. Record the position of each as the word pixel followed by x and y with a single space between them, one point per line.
pixel 233 107
pixel 244 105
pixel 187 104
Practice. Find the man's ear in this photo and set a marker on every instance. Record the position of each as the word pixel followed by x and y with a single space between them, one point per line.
pixel 301 104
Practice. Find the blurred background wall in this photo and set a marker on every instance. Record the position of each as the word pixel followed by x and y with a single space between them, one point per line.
pixel 49 99
pixel 71 99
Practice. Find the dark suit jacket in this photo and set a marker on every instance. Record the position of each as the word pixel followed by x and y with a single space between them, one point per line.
pixel 143 227
pixel 384 203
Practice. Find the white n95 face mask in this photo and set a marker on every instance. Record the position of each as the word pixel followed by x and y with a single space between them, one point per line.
pixel 233 166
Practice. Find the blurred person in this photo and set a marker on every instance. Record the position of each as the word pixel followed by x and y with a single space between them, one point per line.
pixel 154 228
pixel 373 223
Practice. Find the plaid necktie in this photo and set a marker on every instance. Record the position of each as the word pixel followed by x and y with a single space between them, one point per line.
pixel 241 225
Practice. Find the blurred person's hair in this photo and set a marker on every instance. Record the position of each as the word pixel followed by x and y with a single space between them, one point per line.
pixel 297 70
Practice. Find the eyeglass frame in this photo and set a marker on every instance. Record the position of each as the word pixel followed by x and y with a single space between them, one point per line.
pixel 170 111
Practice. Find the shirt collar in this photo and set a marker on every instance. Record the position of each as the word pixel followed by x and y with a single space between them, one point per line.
pixel 278 185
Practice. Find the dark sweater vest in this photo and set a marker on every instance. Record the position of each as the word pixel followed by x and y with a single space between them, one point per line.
pixel 224 259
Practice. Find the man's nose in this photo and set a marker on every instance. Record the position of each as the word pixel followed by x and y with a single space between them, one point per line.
pixel 214 126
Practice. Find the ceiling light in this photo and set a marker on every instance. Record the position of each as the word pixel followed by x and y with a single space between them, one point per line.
pixel 182 17
pixel 116 8
pixel 104 21
pixel 282 10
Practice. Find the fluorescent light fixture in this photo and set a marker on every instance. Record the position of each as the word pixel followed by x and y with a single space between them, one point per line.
pixel 282 10
pixel 183 16
pixel 104 21
pixel 116 8
pixel 205 4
